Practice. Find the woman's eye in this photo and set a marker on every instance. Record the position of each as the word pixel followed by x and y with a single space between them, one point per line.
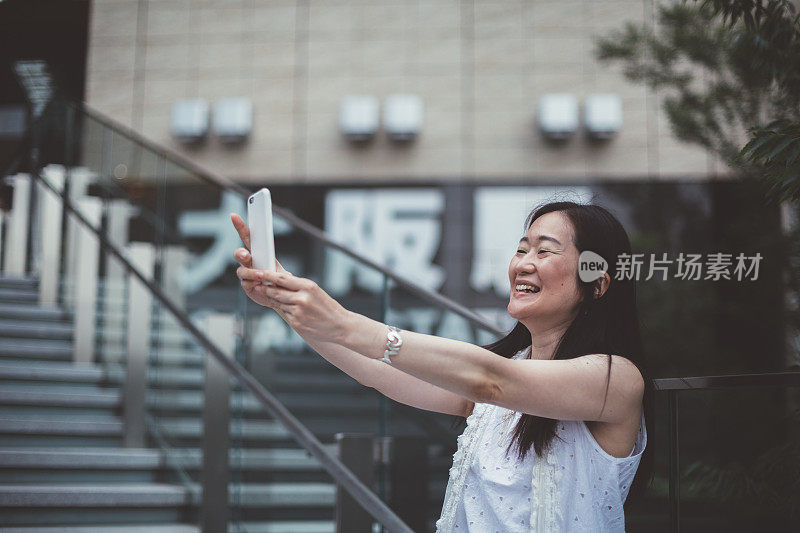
pixel 521 252
pixel 543 250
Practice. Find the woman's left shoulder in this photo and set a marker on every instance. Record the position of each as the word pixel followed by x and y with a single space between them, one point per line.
pixel 622 368
pixel 625 380
pixel 629 373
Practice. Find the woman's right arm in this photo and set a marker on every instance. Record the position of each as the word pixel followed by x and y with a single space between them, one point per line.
pixel 393 383
pixel 387 380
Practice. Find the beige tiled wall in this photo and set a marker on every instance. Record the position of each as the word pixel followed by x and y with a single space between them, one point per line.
pixel 479 66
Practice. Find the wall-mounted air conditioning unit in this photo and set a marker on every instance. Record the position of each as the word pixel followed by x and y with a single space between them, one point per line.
pixel 189 120
pixel 402 116
pixel 558 115
pixel 359 117
pixel 602 115
pixel 233 119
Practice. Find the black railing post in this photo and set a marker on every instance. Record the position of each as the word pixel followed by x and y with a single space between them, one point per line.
pixel 357 453
pixel 215 509
pixel 408 479
pixel 674 465
pixel 140 305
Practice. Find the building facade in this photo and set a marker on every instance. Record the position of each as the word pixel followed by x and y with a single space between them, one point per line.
pixel 480 69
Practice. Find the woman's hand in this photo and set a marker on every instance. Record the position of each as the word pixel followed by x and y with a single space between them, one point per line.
pixel 301 303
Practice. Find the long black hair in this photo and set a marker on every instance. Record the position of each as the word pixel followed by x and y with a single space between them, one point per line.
pixel 607 325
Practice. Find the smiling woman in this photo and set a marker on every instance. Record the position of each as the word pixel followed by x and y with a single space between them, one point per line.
pixel 569 375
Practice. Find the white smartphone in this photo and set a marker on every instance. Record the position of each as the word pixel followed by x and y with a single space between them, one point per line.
pixel 262 241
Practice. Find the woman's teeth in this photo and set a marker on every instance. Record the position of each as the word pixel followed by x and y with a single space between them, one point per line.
pixel 527 288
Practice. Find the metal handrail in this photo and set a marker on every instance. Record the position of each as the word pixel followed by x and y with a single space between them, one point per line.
pixel 301 225
pixel 343 476
pixel 789 378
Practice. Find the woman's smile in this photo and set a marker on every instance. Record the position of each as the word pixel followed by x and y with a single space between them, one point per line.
pixel 525 293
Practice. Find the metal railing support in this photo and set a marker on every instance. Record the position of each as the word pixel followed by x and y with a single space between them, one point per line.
pixel 407 462
pixel 3 222
pixel 408 480
pixel 173 259
pixel 215 510
pixel 88 255
pixel 357 452
pixel 79 179
pixel 16 252
pixel 50 211
pixel 674 465
pixel 140 305
pixel 118 213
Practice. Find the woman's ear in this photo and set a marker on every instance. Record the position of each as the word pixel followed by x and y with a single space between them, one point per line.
pixel 601 285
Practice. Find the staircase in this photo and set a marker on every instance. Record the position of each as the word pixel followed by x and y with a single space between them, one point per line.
pixel 63 466
pixel 61 454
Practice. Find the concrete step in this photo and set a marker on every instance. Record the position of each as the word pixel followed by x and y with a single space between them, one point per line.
pixel 26 430
pixel 285 526
pixel 107 528
pixel 19 295
pixel 107 495
pixel 33 312
pixel 54 426
pixel 297 403
pixel 62 350
pixel 278 459
pixel 56 372
pixel 40 349
pixel 34 329
pixel 18 283
pixel 83 458
pixel 171 428
pixel 266 495
pixel 95 397
pixel 45 398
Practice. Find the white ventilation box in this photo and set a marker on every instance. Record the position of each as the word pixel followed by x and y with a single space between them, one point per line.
pixel 558 115
pixel 233 119
pixel 602 115
pixel 189 121
pixel 402 116
pixel 359 117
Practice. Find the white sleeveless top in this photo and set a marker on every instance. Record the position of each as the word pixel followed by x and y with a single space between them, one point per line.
pixel 577 486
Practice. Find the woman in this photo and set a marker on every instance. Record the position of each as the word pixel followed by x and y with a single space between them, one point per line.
pixel 568 378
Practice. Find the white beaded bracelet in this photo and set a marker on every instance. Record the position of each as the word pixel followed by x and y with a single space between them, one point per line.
pixel 393 343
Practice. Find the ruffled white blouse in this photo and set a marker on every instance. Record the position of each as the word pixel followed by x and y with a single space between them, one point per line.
pixel 576 486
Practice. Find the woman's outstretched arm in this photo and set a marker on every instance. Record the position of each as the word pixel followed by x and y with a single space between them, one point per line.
pixel 572 389
pixel 389 381
pixel 392 382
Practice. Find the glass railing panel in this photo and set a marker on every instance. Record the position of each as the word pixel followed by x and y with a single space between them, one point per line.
pixel 735 479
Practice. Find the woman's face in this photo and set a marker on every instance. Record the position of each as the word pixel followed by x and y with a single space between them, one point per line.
pixel 547 259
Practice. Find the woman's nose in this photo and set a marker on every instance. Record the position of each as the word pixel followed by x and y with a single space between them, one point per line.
pixel 526 265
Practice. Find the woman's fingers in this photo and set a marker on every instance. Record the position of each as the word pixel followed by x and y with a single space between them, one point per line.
pixel 280 267
pixel 286 280
pixel 282 279
pixel 278 294
pixel 241 228
pixel 243 257
pixel 244 273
